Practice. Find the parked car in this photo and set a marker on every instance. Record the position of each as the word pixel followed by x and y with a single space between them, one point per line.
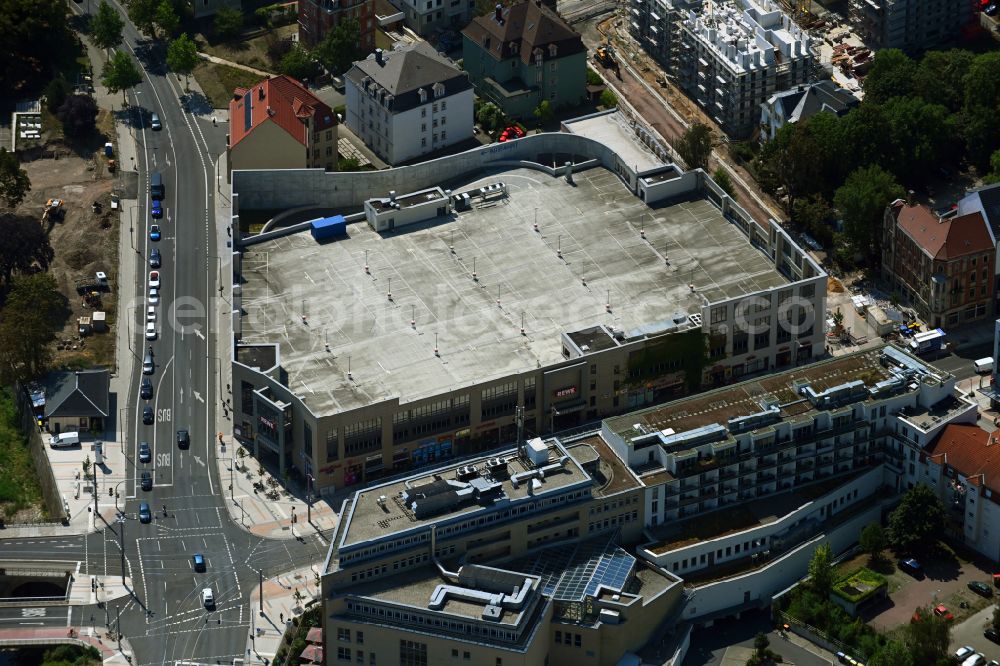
pixel 974 660
pixel 150 313
pixel 154 232
pixel 145 515
pixel 963 653
pixel 151 330
pixel 154 279
pixel 147 415
pixel 942 611
pixel 991 9
pixel 912 567
pixel 980 588
pixel 157 210
pixel 154 258
pixel 145 454
pixel 992 634
pixel 183 439
pixel 198 562
pixel 154 296
pixel 146 389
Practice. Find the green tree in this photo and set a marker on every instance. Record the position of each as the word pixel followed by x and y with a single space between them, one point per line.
pixel 36 36
pixel 341 47
pixel 862 201
pixel 228 24
pixel 922 136
pixel 298 63
pixel 869 135
pixel 722 179
pixel 980 134
pixel 695 146
pixel 78 115
pixel 56 92
pixel 893 653
pixel 918 521
pixel 608 99
pixel 166 18
pixel 182 56
pixel 490 116
pixel 939 78
pixel 760 644
pixel 821 569
pixel 14 181
pixel 982 85
pixel 121 73
pixel 143 14
pixel 873 540
pixel 31 318
pixel 812 214
pixel 891 75
pixel 593 78
pixel 790 161
pixel 106 27
pixel 994 174
pixel 927 636
pixel 544 112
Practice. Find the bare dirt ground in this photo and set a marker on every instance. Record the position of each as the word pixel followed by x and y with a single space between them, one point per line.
pixel 83 241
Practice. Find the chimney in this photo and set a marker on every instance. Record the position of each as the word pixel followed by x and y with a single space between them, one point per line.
pixel 911 198
pixel 260 92
pixel 498 14
pixel 378 58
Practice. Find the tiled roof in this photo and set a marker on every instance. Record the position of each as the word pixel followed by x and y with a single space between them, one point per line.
pixel 943 238
pixel 526 25
pixel 970 451
pixel 77 394
pixel 404 72
pixel 281 100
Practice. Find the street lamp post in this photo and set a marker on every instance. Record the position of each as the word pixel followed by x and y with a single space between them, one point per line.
pixel 118 626
pixel 121 542
pixel 310 482
pixel 261 595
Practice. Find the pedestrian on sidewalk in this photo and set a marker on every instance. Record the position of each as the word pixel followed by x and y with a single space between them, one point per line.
pixel 214 124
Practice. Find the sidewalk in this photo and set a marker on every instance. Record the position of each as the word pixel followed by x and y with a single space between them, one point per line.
pixel 229 63
pixel 280 606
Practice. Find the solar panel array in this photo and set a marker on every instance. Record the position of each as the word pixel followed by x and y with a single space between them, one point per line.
pixel 572 572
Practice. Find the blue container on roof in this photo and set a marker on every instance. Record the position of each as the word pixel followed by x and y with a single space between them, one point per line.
pixel 325 228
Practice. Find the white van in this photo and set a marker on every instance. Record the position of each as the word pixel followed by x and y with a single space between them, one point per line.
pixel 983 365
pixel 65 439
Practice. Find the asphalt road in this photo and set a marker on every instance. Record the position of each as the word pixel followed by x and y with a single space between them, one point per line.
pixel 164 620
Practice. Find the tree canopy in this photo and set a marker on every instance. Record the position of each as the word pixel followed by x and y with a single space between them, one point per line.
pixel 78 115
pixel 121 73
pixel 31 317
pixel 14 182
pixel 25 247
pixel 35 36
pixel 821 569
pixel 891 75
pixel 873 540
pixel 143 14
pixel 695 146
pixel 927 636
pixel 228 23
pixel 862 201
pixel 167 19
pixel 298 63
pixel 106 27
pixel 918 521
pixel 182 56
pixel 340 47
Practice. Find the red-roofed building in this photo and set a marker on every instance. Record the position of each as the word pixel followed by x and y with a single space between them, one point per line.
pixel 318 17
pixel 963 466
pixel 279 124
pixel 942 266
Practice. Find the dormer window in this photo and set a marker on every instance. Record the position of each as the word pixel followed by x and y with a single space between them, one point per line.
pixel 552 50
pixel 423 95
pixel 538 56
pixel 512 47
pixel 438 89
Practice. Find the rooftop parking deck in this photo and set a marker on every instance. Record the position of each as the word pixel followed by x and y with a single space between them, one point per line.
pixel 328 316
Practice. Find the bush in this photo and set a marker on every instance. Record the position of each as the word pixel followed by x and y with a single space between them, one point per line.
pixel 55 93
pixel 78 115
pixel 608 99
pixel 593 78
pixel 278 49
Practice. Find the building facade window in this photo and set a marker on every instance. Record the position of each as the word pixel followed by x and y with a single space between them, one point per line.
pixel 412 653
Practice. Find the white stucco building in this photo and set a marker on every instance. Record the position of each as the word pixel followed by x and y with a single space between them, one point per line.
pixel 408 102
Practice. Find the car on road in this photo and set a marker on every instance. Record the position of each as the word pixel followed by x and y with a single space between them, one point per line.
pixel 154 232
pixel 147 416
pixel 145 455
pixel 154 279
pixel 154 258
pixel 942 611
pixel 980 588
pixel 154 296
pixel 146 389
pixel 146 481
pixel 992 634
pixel 183 439
pixel 912 567
pixel 198 562
pixel 151 330
pixel 145 515
pixel 207 598
pixel 150 313
pixel 157 210
pixel 154 123
pixel 147 365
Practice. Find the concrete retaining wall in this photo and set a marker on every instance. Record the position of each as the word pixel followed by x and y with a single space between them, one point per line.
pixel 46 479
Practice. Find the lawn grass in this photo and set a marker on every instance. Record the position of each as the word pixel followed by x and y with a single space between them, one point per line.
pixel 219 81
pixel 19 487
pixel 250 52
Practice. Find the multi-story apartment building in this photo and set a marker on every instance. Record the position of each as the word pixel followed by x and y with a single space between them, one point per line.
pixel 800 103
pixel 520 55
pixel 426 17
pixel 618 298
pixel 944 266
pixel 986 202
pixel 730 57
pixel 318 17
pixel 910 25
pixel 279 124
pixel 510 560
pixel 408 102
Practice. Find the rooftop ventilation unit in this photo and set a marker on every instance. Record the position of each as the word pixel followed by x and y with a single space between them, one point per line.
pixel 467 472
